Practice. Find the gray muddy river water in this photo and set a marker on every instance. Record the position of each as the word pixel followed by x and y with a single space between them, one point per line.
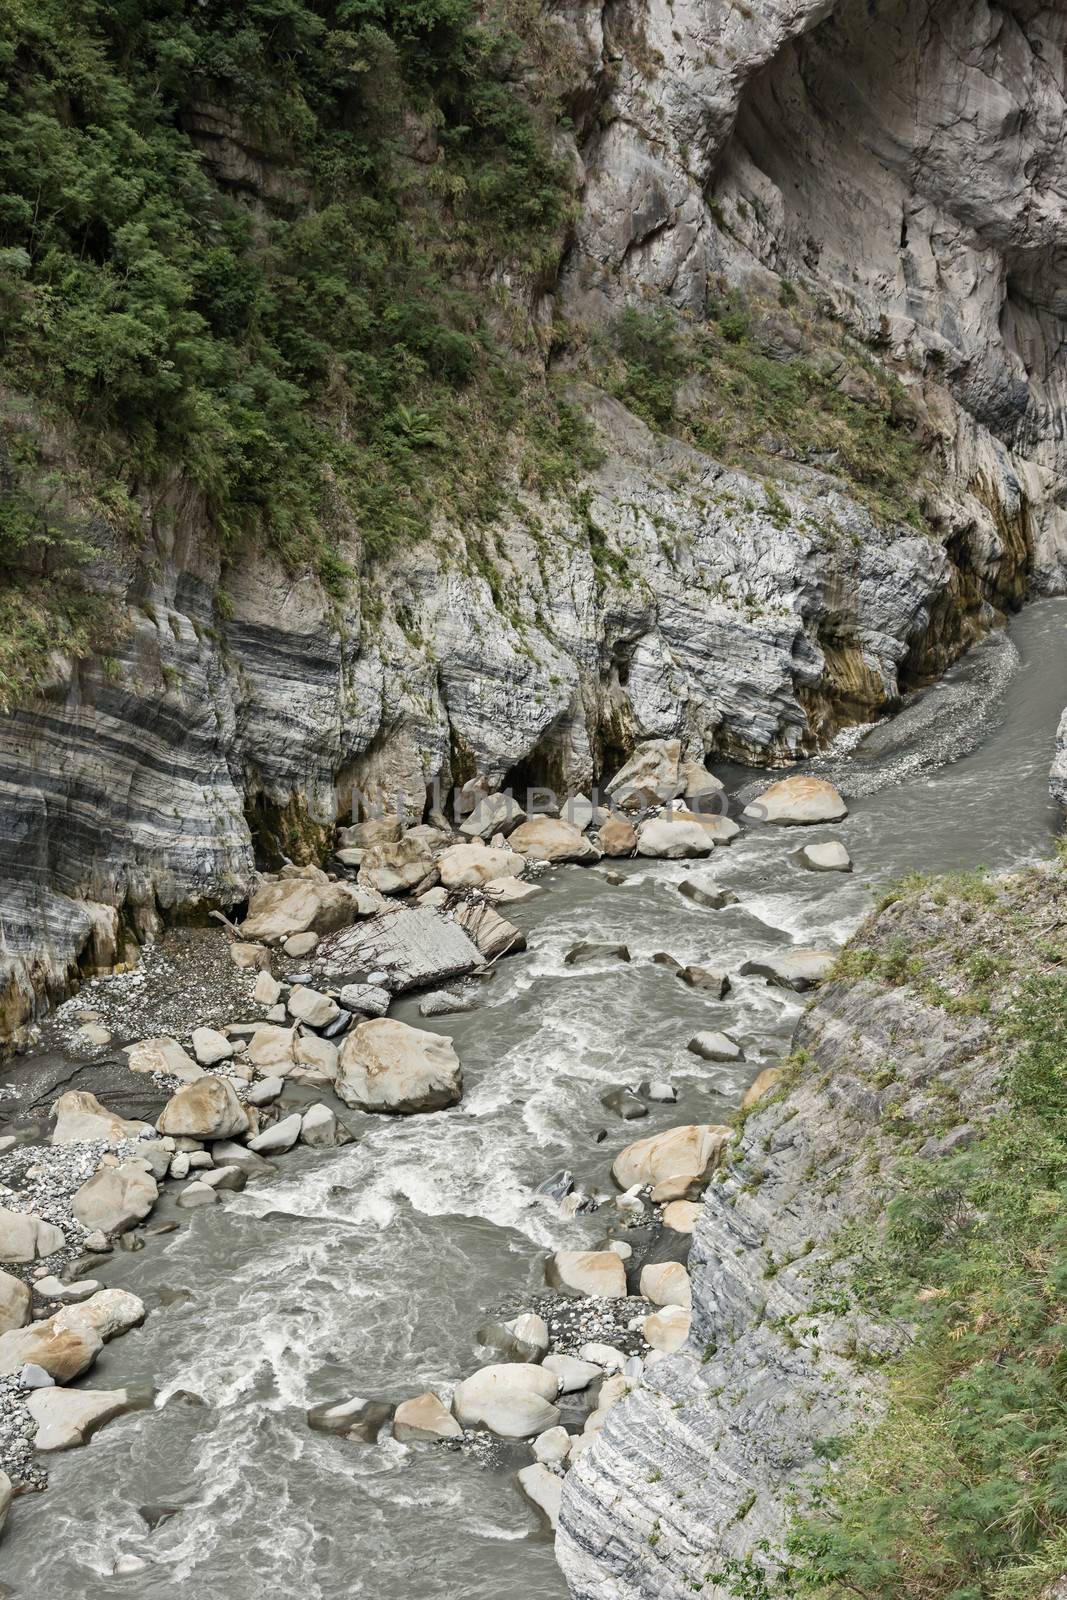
pixel 367 1270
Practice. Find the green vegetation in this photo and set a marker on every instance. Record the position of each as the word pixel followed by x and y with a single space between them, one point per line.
pixel 746 401
pixel 288 318
pixel 960 1491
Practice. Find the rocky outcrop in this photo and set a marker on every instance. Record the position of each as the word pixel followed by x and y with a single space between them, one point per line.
pixel 1058 777
pixel 902 183
pixel 704 1462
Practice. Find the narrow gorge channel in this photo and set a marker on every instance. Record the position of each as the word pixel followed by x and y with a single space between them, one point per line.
pixel 367 1270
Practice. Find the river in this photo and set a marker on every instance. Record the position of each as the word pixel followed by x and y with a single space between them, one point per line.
pixel 367 1270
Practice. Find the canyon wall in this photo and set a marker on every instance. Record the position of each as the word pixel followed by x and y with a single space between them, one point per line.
pixel 895 176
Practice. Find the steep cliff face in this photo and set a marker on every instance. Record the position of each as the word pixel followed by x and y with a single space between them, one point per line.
pixel 867 208
pixel 697 1476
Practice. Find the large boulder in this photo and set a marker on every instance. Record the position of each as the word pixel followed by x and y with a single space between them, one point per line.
pixel 652 776
pixel 523 1338
pixel 617 837
pixel 762 1084
pixel 674 836
pixel 667 1330
pixel 422 1418
pixel 375 831
pixel 66 1418
pixel 497 813
pixel 284 906
pixel 163 1056
pixel 24 1237
pixel 706 892
pixel 573 1375
pixel 273 1048
pixel 699 785
pixel 411 947
pixel 713 1046
pixel 207 1109
pixel 550 839
pixel 64 1353
pixel 115 1199
pixel 792 969
pixel 468 866
pixel 666 1283
pixel 14 1302
pixel 513 1400
pixel 722 828
pixel 795 802
pixel 594 1273
pixel 7 1494
pixel 690 1152
pixel 386 1065
pixel 396 868
pixel 493 934
pixel 543 1488
pixel 80 1117
pixel 828 857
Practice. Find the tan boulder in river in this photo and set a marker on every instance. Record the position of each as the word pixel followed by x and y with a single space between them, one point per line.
pixel 385 1065
pixel 689 1151
pixel 468 866
pixel 596 1273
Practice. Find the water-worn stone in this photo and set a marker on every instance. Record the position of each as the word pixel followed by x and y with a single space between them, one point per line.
pixel 396 868
pixel 691 1151
pixel 210 1046
pixel 716 1047
pixel 115 1199
pixel 705 892
pixel 551 1446
pixel 80 1116
pixel 66 1418
pixel 523 1338
pixel 616 837
pixel 543 1488
pixel 208 1109
pixel 284 906
pixel 792 969
pixel 551 839
pixel 625 1104
pixel 387 1066
pixel 798 801
pixel 318 1127
pixel 197 1194
pixel 14 1302
pixel 405 947
pixel 513 1400
pixel 497 813
pixel 673 837
pixel 273 1048
pixel 652 776
pixel 468 866
pixel 573 1375
pixel 278 1138
pixel 829 857
pixel 25 1237
pixel 492 934
pixel 7 1494
pixel 357 1418
pixel 668 1329
pixel 163 1055
pixel 589 950
pixel 426 1417
pixel 369 999
pixel 710 980
pixel 598 1273
pixel 666 1283
pixel 310 1007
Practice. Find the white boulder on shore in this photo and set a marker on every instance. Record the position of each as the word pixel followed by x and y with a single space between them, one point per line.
pixel 592 1273
pixel 14 1302
pixel 163 1056
pixel 470 866
pixel 208 1109
pixel 550 839
pixel 385 1065
pixel 80 1117
pixel 24 1237
pixel 512 1399
pixel 115 1199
